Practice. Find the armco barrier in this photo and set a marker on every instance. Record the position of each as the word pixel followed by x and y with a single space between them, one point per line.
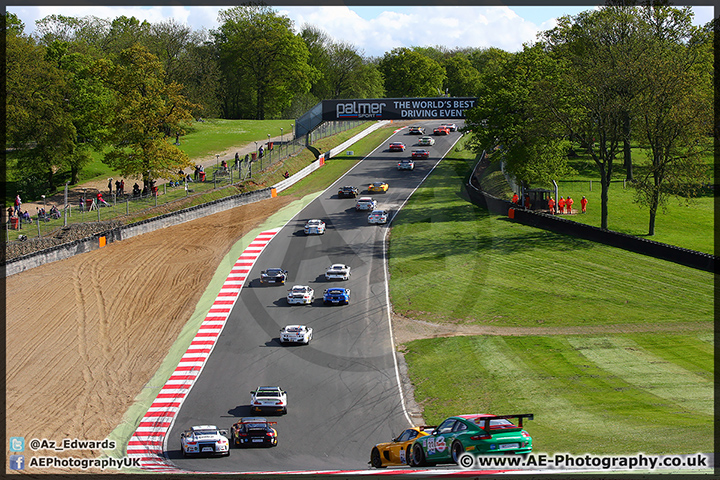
pixel 558 224
pixel 67 250
pixel 283 184
pixel 70 249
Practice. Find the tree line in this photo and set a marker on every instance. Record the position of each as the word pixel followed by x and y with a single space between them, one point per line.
pixel 602 78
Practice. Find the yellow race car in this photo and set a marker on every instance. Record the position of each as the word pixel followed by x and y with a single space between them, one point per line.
pixel 399 450
pixel 378 187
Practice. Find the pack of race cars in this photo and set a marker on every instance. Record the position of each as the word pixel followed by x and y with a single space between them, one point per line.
pixel 416 446
pixel 474 434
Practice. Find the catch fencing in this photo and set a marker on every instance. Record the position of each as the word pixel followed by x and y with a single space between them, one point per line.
pixel 557 224
pixel 85 206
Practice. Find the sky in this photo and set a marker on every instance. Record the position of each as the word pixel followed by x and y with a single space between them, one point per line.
pixel 373 30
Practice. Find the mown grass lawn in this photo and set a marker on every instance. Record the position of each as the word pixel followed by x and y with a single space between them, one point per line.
pixel 683 221
pixel 601 394
pixel 645 384
pixel 453 261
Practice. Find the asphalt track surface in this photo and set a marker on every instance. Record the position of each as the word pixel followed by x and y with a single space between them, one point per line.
pixel 343 394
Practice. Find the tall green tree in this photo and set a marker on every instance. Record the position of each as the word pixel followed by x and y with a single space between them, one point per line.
pixel 487 61
pixel 126 32
pixel 675 113
pixel 260 54
pixel 610 54
pixel 148 114
pixel 511 118
pixel 38 120
pixel 588 99
pixel 463 80
pixel 318 43
pixel 342 70
pixel 89 104
pixel 408 73
pixel 87 35
pixel 189 58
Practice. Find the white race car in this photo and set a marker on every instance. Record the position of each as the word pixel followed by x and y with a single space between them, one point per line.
pixel 204 439
pixel 314 227
pixel 378 216
pixel 337 271
pixel 406 164
pixel 365 203
pixel 300 295
pixel 296 334
pixel 268 399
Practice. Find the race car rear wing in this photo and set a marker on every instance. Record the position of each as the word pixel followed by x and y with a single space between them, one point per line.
pixel 485 422
pixel 429 428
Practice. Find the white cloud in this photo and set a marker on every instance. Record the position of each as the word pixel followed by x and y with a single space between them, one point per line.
pixel 450 27
pixel 373 31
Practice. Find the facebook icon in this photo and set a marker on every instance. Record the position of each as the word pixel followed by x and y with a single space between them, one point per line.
pixel 17 462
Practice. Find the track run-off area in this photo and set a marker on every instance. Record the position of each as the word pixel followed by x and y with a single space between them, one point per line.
pixel 344 393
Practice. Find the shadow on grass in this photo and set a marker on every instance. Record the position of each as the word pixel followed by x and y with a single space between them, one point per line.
pixel 446 243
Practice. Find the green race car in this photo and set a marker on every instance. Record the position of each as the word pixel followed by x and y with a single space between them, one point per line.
pixel 479 434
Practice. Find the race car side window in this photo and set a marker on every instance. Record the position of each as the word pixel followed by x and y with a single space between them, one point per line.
pixel 446 426
pixel 405 436
pixel 459 427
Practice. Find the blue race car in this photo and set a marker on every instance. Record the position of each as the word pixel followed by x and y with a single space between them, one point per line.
pixel 336 296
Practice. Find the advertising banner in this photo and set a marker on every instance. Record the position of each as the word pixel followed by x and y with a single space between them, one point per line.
pixel 397 108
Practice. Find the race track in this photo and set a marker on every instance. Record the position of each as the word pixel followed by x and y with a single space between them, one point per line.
pixel 343 394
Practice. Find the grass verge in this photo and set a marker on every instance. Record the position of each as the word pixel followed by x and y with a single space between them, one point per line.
pixel 610 393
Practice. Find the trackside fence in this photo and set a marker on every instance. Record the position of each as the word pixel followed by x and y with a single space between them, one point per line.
pixel 557 224
pixel 86 208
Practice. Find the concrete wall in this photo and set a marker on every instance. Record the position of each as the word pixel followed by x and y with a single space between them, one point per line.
pixel 94 242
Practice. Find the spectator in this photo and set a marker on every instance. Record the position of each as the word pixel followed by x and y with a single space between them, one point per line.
pixel 188 178
pixel 18 203
pixel 136 189
pixel 224 166
pixel 196 175
pixel 122 187
pixel 551 205
pixel 110 186
pixel 11 212
pixel 515 199
pixel 527 202
pixel 583 204
pixel 117 187
pixel 25 216
pixel 101 200
pixel 54 212
pixel 260 154
pixel 568 204
pixel 561 205
pixel 286 174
